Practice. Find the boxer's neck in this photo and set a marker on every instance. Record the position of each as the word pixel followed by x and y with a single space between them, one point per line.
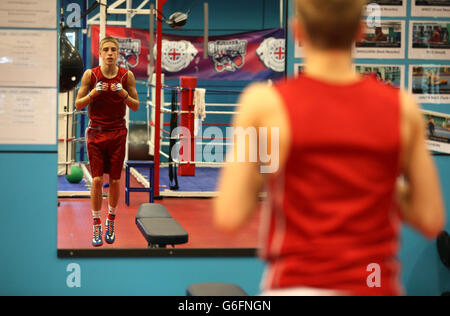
pixel 109 71
pixel 335 66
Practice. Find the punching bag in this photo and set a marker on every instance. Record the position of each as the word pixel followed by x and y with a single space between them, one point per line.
pixel 138 142
pixel 443 245
pixel 70 63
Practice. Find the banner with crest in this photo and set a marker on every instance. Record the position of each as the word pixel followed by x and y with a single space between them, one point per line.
pixel 253 56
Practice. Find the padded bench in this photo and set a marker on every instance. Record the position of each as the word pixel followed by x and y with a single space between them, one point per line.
pixel 215 289
pixel 158 227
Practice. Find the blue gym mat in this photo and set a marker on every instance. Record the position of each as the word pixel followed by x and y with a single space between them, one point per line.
pixel 64 185
pixel 205 180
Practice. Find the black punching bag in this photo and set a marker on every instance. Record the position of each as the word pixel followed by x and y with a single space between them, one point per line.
pixel 443 245
pixel 71 65
pixel 138 148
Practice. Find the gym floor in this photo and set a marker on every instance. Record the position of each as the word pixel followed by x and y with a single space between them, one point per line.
pixel 194 215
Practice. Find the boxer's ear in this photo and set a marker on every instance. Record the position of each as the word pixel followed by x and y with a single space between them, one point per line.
pixel 297 30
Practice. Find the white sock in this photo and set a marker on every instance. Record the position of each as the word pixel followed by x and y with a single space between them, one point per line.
pixel 96 215
pixel 112 210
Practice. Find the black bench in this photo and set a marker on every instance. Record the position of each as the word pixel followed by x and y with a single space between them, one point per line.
pixel 158 227
pixel 215 289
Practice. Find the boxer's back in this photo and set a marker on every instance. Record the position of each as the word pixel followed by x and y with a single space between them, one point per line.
pixel 332 206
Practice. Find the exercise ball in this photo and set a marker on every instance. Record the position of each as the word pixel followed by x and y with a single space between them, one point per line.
pixel 71 65
pixel 76 175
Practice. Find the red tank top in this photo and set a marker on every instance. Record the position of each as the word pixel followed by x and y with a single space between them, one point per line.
pixel 108 110
pixel 333 212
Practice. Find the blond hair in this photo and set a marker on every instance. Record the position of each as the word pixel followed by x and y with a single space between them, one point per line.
pixel 109 39
pixel 330 24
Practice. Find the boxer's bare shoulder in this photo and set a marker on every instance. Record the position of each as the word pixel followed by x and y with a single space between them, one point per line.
pixel 262 106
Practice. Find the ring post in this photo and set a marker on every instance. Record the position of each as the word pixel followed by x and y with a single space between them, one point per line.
pixel 188 85
pixel 159 5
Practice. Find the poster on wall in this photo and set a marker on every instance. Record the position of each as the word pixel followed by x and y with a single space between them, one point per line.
pixel 252 56
pixel 29 58
pixel 430 84
pixel 23 114
pixel 28 14
pixel 389 8
pixel 429 40
pixel 393 75
pixel 384 41
pixel 431 8
pixel 438 131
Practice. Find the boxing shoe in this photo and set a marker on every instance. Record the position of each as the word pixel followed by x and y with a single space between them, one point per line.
pixel 110 235
pixel 97 240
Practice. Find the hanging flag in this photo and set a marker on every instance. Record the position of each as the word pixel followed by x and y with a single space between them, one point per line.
pixel 252 56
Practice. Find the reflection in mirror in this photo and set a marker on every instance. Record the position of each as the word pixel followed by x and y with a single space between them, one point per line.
pixel 185 193
pixel 185 190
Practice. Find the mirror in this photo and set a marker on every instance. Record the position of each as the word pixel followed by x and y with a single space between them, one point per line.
pixel 190 205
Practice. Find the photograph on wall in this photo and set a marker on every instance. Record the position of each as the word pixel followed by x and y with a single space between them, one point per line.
pixel 393 75
pixel 298 69
pixel 298 51
pixel 438 131
pixel 430 84
pixel 431 8
pixel 388 8
pixel 386 40
pixel 429 40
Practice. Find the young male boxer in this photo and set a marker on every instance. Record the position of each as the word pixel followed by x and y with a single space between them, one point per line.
pixel 331 223
pixel 107 90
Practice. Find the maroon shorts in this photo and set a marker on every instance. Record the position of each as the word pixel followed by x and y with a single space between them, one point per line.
pixel 106 151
